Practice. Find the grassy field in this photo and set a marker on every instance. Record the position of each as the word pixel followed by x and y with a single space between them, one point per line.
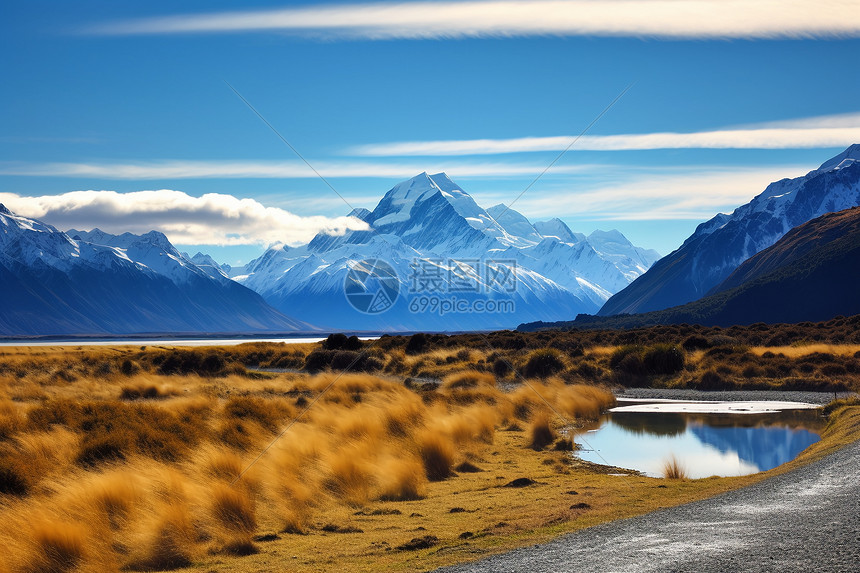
pixel 263 457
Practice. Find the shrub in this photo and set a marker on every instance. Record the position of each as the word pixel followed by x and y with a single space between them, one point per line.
pixel 543 363
pixel 695 342
pixel 340 341
pixel 627 359
pixel 418 344
pixel 129 368
pixel 141 391
pixel 711 380
pixel 468 379
pixel 501 367
pixel 346 359
pixel 185 362
pixel 572 348
pixel 318 360
pixel 663 359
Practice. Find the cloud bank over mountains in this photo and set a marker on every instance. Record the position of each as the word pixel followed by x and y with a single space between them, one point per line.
pixel 211 219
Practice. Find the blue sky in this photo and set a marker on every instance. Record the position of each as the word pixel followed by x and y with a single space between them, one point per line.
pixel 130 97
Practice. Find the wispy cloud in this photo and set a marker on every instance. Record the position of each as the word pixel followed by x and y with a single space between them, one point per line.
pixel 763 19
pixel 212 219
pixel 826 131
pixel 175 169
pixel 692 193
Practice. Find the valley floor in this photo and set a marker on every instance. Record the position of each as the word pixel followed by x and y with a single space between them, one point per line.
pixel 158 458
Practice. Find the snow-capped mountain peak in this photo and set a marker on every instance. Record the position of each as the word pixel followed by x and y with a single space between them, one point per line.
pixel 720 245
pixel 429 217
pixel 852 153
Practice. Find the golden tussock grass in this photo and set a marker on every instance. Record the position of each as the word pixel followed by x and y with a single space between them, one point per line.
pixel 350 475
pixel 233 508
pixel 541 432
pixel 149 483
pixel 401 479
pixel 674 469
pixel 437 454
pixel 807 349
pixel 113 495
pixel 57 547
pixel 468 379
pixel 167 541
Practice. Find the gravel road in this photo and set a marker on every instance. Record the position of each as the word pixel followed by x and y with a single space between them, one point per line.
pixel 804 520
pixel 732 395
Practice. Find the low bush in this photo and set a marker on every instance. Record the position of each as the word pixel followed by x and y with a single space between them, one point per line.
pixel 340 341
pixel 418 344
pixel 711 380
pixel 543 363
pixel 663 359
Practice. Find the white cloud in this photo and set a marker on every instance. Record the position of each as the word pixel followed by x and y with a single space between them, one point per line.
pixel 212 219
pixel 692 193
pixel 269 169
pixel 418 20
pixel 807 133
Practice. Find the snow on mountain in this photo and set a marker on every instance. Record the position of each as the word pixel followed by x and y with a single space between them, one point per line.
pixel 558 229
pixel 720 245
pixel 515 224
pixel 97 283
pixel 428 224
pixel 152 250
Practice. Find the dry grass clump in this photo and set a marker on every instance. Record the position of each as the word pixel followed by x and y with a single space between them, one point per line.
pixel 541 433
pixel 437 454
pixel 234 512
pixel 350 474
pixel 673 469
pixel 114 495
pixel 57 547
pixel 143 390
pixel 401 479
pixel 582 401
pixel 168 540
pixel 468 379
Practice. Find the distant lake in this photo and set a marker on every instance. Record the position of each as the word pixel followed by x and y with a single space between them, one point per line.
pixel 164 341
pixel 704 444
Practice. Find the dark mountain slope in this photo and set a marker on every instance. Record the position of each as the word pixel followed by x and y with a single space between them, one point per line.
pixel 720 245
pixel 811 274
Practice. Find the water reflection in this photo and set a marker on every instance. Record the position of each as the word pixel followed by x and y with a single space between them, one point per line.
pixel 706 444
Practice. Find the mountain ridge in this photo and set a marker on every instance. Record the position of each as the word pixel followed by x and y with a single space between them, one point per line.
pixel 431 217
pixel 56 285
pixel 811 274
pixel 720 245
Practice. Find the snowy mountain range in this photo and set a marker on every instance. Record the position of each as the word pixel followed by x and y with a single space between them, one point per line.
pixel 98 283
pixel 445 248
pixel 720 245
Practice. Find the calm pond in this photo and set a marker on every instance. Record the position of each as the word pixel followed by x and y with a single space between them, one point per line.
pixel 706 442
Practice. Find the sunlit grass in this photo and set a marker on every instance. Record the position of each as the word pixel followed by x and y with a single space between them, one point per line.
pixel 147 471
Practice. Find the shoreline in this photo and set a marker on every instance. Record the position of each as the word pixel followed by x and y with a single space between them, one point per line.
pixel 820 398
